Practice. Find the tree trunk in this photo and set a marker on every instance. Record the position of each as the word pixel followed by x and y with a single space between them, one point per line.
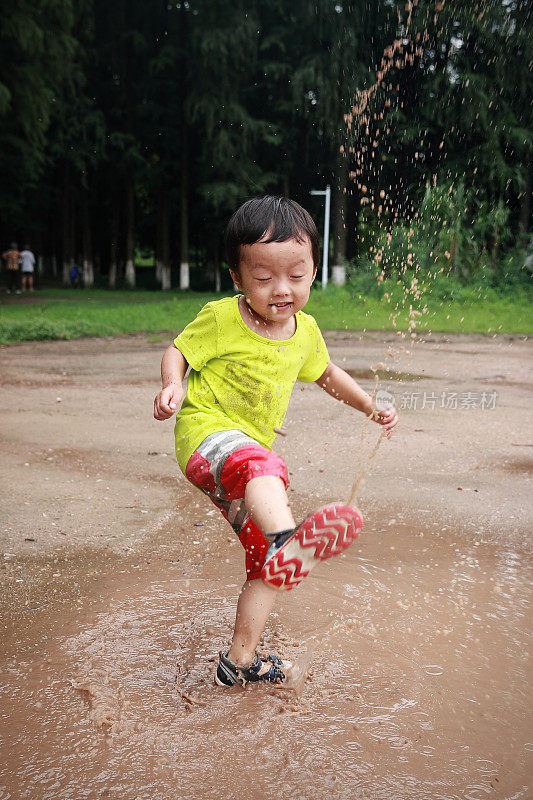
pixel 164 241
pixel 338 273
pixel 525 207
pixel 86 241
pixel 216 267
pixel 184 209
pixel 130 223
pixel 495 247
pixel 159 235
pixel 113 250
pixel 184 187
pixel 68 228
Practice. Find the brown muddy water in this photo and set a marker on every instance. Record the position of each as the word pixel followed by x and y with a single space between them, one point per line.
pixel 411 682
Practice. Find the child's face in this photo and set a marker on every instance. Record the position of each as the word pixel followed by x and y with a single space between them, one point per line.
pixel 276 278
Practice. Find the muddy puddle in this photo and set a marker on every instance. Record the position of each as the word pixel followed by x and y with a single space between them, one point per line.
pixel 411 681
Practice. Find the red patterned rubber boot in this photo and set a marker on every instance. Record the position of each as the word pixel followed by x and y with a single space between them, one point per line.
pixel 325 533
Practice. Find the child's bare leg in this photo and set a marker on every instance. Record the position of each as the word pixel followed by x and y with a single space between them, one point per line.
pixel 255 603
pixel 266 500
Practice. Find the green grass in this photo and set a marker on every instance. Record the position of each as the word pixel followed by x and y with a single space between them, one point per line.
pixel 69 314
pixel 474 311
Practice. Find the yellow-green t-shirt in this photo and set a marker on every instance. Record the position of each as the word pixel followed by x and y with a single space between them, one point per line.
pixel 240 380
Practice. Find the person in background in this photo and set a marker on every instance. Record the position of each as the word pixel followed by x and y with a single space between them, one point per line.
pixel 74 276
pixel 12 258
pixel 28 266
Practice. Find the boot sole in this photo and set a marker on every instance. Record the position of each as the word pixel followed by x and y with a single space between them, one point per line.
pixel 325 533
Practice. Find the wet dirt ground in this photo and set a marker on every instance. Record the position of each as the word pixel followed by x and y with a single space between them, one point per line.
pixel 119 583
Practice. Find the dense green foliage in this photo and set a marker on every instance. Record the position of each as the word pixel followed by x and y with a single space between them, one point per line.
pixel 140 126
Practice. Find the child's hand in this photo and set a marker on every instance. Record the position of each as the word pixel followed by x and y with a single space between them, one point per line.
pixel 386 417
pixel 168 400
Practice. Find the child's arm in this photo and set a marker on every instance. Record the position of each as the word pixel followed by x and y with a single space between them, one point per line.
pixel 173 369
pixel 336 382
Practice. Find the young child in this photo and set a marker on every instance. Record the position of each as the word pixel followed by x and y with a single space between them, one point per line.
pixel 245 354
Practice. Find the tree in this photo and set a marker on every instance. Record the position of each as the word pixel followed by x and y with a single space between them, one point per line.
pixel 220 106
pixel 133 124
pixel 36 46
pixel 318 55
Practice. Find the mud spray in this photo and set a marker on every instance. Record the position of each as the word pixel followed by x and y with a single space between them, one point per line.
pixel 367 129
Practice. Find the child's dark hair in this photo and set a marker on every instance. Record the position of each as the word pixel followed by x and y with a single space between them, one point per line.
pixel 269 219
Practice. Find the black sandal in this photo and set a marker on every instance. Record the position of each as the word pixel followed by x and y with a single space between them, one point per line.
pixel 228 673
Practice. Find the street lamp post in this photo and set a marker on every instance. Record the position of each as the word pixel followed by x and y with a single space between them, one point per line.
pixel 325 253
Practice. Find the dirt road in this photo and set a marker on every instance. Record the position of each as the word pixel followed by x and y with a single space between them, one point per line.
pixel 119 583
